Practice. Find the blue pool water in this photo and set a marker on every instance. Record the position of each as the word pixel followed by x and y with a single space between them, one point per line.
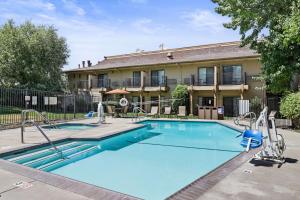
pixel 152 162
pixel 72 126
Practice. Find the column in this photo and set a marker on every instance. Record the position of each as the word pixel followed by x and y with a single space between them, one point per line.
pixel 142 79
pixel 191 103
pixel 215 75
pixel 242 91
pixel 215 99
pixel 89 81
pixel 159 106
pixel 215 85
pixel 141 101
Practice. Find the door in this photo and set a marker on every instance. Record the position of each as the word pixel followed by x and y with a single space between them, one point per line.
pixel 231 106
pixel 102 80
pixel 136 79
pixel 206 76
pixel 157 78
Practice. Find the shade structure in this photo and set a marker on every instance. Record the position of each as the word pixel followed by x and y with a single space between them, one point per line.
pixel 117 91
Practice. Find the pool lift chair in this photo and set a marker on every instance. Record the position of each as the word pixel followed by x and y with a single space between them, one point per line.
pixel 272 143
pixel 251 116
pixel 100 113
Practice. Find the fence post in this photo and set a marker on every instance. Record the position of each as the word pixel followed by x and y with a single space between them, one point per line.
pixel 65 116
pixel 74 108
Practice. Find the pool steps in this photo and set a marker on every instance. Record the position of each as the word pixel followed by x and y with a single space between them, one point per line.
pixel 71 158
pixel 45 152
pixel 47 159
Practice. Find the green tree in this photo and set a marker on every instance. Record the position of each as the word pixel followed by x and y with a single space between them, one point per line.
pixel 180 97
pixel 31 56
pixel 290 108
pixel 272 28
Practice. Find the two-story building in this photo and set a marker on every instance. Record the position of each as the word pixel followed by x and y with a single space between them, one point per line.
pixel 216 75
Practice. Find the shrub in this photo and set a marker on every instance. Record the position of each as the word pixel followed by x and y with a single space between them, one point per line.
pixel 180 97
pixel 255 105
pixel 290 108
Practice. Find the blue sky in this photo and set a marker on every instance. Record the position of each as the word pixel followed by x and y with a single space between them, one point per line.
pixel 97 28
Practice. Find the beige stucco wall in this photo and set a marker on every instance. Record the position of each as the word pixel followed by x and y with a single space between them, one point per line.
pixel 180 72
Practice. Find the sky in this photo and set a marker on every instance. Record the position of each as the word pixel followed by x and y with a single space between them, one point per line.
pixel 97 28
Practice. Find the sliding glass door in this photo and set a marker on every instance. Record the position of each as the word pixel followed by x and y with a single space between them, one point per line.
pixel 232 75
pixel 206 76
pixel 157 78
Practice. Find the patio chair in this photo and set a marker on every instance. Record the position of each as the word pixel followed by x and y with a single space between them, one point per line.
pixel 90 114
pixel 110 111
pixel 168 111
pixel 125 111
pixel 181 111
pixel 154 111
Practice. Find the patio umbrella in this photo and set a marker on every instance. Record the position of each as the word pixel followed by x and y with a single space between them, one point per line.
pixel 117 91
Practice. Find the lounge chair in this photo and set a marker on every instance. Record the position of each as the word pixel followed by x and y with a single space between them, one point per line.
pixel 154 111
pixel 90 114
pixel 181 111
pixel 110 111
pixel 124 111
pixel 167 111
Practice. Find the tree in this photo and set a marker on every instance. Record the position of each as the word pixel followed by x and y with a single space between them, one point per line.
pixel 180 97
pixel 272 28
pixel 31 56
pixel 290 108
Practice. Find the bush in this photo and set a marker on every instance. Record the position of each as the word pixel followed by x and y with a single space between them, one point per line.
pixel 290 108
pixel 180 97
pixel 255 105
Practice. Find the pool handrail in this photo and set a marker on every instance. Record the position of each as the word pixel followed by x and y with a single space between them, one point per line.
pixel 26 121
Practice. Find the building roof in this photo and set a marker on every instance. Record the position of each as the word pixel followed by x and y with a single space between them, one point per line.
pixel 228 50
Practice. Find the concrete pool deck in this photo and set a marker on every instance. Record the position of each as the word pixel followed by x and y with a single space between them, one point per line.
pixel 248 181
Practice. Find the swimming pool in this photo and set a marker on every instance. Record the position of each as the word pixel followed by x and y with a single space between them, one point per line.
pixel 151 162
pixel 72 126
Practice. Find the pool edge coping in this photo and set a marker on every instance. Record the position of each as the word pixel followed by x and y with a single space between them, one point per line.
pixel 203 183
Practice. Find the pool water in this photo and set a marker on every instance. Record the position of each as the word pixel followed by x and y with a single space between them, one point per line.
pixel 152 162
pixel 72 126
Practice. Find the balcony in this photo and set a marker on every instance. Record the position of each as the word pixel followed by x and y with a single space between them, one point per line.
pixel 155 83
pixel 133 84
pixel 100 85
pixel 199 84
pixel 232 81
pixel 80 85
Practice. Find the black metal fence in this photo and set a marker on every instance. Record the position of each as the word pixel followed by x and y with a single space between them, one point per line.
pixel 55 105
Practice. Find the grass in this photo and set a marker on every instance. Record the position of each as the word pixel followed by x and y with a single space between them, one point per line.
pixel 15 118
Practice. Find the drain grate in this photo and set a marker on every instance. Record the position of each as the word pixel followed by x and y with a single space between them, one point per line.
pixel 22 184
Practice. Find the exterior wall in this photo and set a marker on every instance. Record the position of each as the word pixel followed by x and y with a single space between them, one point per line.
pixel 179 73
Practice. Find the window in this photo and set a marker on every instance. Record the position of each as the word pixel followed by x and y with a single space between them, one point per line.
pixel 136 79
pixel 206 76
pixel 102 80
pixel 232 75
pixel 157 78
pixel 231 106
pixel 206 101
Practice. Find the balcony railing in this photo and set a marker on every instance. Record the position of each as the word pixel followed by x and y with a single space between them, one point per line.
pixel 132 83
pixel 100 83
pixel 231 79
pixel 198 82
pixel 82 84
pixel 156 81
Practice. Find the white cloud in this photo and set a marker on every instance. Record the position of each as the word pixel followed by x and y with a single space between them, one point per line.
pixel 73 7
pixel 205 20
pixel 37 4
pixel 146 26
pixel 138 1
